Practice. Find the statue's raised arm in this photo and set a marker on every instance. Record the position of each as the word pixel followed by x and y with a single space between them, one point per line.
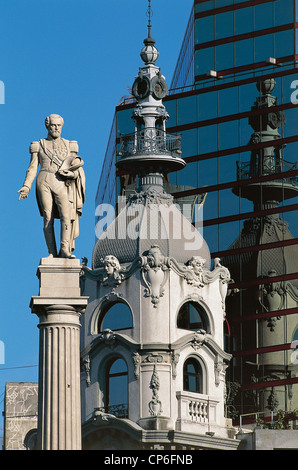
pixel 60 186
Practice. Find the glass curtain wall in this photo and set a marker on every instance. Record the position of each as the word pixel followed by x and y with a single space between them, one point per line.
pixel 244 42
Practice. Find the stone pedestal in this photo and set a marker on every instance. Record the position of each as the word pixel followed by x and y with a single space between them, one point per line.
pixel 59 306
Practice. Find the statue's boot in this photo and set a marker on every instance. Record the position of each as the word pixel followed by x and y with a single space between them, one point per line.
pixel 65 251
pixel 49 234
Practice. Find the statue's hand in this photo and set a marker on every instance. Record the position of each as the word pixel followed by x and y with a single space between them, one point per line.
pixel 24 191
pixel 67 174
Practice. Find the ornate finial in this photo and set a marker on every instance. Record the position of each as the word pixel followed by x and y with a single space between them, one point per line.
pixel 149 14
pixel 149 53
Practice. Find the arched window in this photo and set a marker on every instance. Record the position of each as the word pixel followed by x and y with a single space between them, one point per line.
pixel 192 316
pixel 115 316
pixel 192 376
pixel 116 396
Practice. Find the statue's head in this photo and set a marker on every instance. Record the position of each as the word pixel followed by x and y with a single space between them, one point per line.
pixel 54 124
pixel 111 264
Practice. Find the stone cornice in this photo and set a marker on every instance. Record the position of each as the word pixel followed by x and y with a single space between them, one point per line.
pixel 110 422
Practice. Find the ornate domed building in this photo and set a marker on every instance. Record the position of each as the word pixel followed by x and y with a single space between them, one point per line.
pixel 152 348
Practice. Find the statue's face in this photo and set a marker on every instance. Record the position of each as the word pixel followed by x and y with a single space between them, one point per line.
pixel 55 128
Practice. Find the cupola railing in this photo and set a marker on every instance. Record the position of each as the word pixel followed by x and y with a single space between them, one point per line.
pixel 150 140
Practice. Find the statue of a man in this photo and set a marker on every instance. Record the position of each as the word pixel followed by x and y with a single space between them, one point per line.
pixel 60 185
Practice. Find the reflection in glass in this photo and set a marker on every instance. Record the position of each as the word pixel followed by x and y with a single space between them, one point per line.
pixel 117 388
pixel 189 141
pixel 228 101
pixel 205 30
pixel 204 6
pixel 207 172
pixel 283 12
pixel 125 124
pixel 263 16
pixel 186 110
pixel 204 59
pixel 207 104
pixel 189 175
pixel 224 25
pixel 224 56
pixel 244 52
pixel 192 376
pixel 263 47
pixel 208 139
pixel 283 43
pixel 227 168
pixel 191 316
pixel 116 317
pixel 243 20
pixel 228 134
pixel 247 96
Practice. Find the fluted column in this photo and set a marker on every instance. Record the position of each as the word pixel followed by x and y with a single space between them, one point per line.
pixel 59 307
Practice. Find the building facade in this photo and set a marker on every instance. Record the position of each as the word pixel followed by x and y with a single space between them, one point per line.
pixel 230 48
pixel 152 343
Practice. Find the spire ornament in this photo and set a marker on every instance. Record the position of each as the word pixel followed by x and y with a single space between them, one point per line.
pixel 149 53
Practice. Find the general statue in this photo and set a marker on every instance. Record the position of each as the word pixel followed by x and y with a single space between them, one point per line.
pixel 60 186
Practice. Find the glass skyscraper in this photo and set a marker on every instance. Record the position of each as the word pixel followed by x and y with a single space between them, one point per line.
pixel 233 100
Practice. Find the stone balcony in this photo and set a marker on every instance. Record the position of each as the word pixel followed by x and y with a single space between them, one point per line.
pixel 195 409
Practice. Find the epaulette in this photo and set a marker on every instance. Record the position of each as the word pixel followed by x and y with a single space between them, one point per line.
pixel 73 146
pixel 34 147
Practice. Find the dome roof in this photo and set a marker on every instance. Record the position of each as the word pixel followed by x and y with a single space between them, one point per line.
pixel 257 264
pixel 150 219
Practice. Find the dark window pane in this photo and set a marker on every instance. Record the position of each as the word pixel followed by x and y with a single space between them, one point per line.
pixel 208 139
pixel 207 104
pixel 224 57
pixel 243 20
pixel 284 43
pixel 263 48
pixel 204 60
pixel 228 168
pixel 116 317
pixel 186 110
pixel 117 385
pixel 243 52
pixel 248 94
pixel 191 317
pixel 283 12
pixel 189 175
pixel 204 6
pixel 224 25
pixel 204 29
pixel 171 110
pixel 207 173
pixel 192 376
pixel 125 124
pixel 263 16
pixel 189 143
pixel 228 135
pixel 223 3
pixel 228 101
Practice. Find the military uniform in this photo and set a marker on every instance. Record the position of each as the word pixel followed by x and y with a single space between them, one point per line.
pixel 57 196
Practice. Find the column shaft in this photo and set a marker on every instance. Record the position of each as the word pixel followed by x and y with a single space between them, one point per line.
pixel 59 379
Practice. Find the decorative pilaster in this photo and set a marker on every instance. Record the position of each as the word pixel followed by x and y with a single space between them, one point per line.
pixel 59 307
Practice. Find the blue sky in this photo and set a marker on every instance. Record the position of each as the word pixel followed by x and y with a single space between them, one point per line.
pixel 75 58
